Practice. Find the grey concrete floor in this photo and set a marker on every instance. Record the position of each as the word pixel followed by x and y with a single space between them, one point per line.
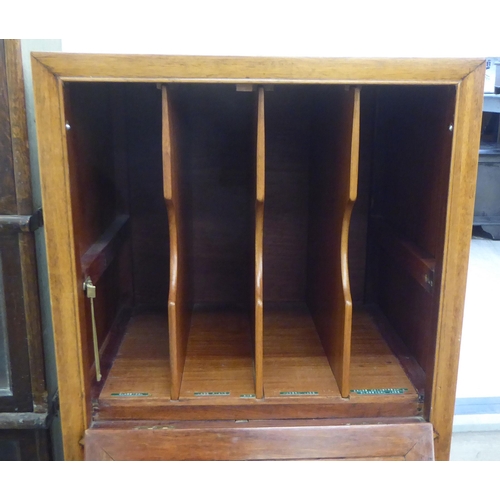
pixel 475 446
pixel 477 437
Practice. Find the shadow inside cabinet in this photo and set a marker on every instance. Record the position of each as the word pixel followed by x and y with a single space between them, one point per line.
pixel 272 253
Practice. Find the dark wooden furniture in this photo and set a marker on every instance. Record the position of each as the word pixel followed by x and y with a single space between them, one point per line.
pixel 487 204
pixel 23 396
pixel 257 252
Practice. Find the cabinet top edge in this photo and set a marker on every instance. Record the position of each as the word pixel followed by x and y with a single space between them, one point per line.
pixel 123 67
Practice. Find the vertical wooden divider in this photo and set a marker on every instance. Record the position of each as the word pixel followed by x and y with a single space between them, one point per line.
pixel 259 237
pixel 333 191
pixel 179 300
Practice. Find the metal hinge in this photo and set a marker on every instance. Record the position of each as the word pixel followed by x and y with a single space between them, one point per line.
pixel 91 292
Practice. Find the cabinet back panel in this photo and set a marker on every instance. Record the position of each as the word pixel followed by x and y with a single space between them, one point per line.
pixel 148 212
pixel 217 140
pixel 288 156
pixel 291 114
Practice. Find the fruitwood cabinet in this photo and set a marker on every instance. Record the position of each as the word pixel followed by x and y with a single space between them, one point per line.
pixel 257 258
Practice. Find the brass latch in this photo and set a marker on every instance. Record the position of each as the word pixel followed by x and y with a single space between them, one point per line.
pixel 91 293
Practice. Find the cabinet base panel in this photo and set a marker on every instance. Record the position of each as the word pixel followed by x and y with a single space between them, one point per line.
pixel 219 358
pixel 279 440
pixel 138 385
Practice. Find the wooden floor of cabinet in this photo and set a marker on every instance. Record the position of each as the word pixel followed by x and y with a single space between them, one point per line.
pixel 218 374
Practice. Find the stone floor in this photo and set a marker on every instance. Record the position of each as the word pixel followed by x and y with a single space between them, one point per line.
pixel 477 437
pixel 475 446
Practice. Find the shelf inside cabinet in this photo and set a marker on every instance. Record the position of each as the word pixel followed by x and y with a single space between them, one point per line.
pixel 294 362
pixel 219 357
pixel 141 368
pixel 294 359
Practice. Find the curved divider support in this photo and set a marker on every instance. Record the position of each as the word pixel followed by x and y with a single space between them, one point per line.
pixel 259 236
pixel 334 179
pixel 179 302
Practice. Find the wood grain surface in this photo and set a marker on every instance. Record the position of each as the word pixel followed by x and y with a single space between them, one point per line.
pixel 66 303
pixel 142 363
pixel 459 217
pixel 258 322
pixel 334 183
pixel 219 355
pixel 294 362
pixel 179 299
pixel 214 140
pixel 279 441
pixel 8 185
pixel 17 163
pixel 256 69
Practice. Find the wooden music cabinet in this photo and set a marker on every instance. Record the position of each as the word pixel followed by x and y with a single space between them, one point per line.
pixel 264 258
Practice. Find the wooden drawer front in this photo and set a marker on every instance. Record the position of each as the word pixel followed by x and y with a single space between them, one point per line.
pixel 409 441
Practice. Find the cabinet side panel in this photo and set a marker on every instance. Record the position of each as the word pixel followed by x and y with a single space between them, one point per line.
pixel 98 197
pixel 413 155
pixel 65 302
pixel 412 161
pixel 333 189
pixel 462 188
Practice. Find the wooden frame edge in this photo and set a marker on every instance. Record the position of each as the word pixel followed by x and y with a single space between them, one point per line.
pixel 61 259
pixel 462 186
pixel 158 68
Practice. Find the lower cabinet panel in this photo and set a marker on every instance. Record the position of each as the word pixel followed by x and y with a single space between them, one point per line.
pixel 279 440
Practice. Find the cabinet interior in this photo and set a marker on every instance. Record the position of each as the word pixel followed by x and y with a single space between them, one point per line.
pixel 215 222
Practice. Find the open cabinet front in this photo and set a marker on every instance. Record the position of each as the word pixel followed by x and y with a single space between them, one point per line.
pixel 211 231
pixel 253 253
